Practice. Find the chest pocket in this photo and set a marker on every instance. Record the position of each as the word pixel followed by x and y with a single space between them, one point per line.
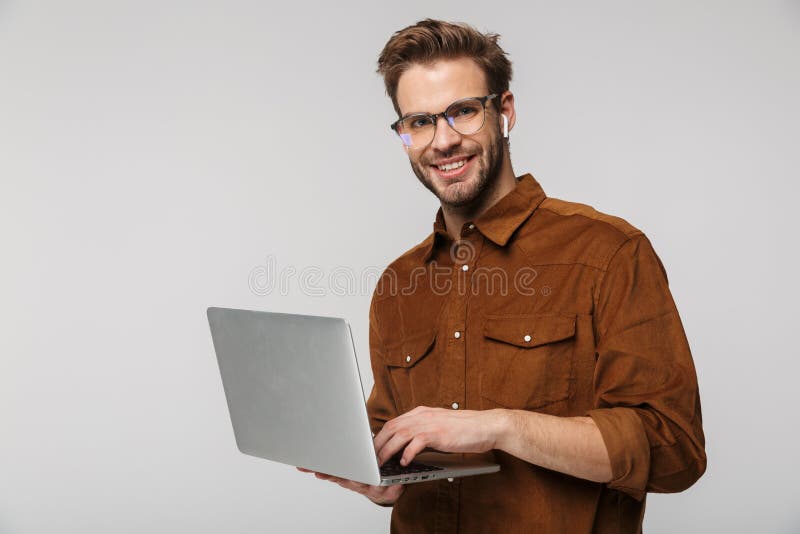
pixel 413 369
pixel 527 361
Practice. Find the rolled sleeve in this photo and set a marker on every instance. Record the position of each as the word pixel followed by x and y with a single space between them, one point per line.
pixel 646 399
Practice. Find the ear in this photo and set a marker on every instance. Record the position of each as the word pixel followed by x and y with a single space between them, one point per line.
pixel 507 110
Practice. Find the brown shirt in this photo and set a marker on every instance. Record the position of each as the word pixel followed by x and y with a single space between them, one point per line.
pixel 548 306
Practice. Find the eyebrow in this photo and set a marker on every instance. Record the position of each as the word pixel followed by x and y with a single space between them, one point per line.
pixel 412 113
pixel 484 98
pixel 407 115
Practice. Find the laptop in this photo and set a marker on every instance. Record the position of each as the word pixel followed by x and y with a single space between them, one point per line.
pixel 294 395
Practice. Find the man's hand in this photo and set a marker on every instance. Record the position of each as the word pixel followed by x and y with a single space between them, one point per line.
pixel 440 429
pixel 571 445
pixel 382 495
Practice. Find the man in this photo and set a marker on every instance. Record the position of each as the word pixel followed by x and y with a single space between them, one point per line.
pixel 528 330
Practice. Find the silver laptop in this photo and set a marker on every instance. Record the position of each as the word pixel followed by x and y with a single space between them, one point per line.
pixel 294 394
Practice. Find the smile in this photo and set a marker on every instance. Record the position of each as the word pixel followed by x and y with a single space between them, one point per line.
pixel 451 166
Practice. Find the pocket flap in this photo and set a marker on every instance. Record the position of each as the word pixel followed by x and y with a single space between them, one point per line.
pixel 410 350
pixel 529 331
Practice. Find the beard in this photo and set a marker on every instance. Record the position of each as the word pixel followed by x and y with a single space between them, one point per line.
pixel 471 191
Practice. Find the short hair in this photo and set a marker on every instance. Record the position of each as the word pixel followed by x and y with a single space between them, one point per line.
pixel 431 40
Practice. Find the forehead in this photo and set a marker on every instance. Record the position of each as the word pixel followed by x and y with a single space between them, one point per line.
pixel 432 87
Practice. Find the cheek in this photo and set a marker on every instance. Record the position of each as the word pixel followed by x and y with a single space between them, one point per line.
pixel 483 145
pixel 421 160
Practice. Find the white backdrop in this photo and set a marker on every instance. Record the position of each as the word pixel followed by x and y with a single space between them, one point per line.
pixel 155 157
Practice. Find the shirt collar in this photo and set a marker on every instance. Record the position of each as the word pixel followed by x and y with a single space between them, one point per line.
pixel 501 220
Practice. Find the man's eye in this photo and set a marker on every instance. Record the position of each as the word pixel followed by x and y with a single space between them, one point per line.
pixel 466 111
pixel 420 122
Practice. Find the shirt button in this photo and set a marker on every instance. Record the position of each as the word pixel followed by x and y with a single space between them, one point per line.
pixel 455 405
pixel 527 338
pixel 449 479
pixel 465 267
pixel 457 335
pixel 408 358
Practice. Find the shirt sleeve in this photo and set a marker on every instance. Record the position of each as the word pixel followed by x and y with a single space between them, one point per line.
pixel 380 404
pixel 646 398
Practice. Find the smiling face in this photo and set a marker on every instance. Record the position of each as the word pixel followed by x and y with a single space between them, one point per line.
pixel 459 169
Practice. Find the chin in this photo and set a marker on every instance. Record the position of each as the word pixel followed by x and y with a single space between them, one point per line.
pixel 459 194
pixel 455 193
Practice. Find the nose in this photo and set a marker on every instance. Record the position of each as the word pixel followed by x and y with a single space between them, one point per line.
pixel 445 137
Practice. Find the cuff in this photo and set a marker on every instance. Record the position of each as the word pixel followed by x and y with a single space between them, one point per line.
pixel 628 449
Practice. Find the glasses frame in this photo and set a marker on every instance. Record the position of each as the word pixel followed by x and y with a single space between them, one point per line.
pixel 434 117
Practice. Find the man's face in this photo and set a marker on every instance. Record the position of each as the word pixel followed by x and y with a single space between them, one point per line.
pixel 477 158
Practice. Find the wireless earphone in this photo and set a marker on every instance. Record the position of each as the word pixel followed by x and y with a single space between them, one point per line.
pixel 505 125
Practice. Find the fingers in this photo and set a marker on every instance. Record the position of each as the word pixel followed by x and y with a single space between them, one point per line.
pixel 419 424
pixel 377 494
pixel 383 436
pixel 345 483
pixel 352 485
pixel 393 446
pixel 321 476
pixel 406 420
pixel 416 446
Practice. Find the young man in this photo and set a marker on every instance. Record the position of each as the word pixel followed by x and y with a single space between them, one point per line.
pixel 532 331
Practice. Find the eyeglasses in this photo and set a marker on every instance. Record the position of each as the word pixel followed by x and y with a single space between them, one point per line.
pixel 465 116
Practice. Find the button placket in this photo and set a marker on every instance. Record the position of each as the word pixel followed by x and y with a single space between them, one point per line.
pixel 457 335
pixel 452 383
pixel 453 386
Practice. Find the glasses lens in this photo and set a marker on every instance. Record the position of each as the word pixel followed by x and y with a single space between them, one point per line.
pixel 416 131
pixel 467 116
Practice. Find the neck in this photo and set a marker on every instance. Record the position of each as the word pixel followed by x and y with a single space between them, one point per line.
pixel 456 216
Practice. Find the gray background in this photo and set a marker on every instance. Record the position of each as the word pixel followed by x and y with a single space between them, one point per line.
pixel 155 157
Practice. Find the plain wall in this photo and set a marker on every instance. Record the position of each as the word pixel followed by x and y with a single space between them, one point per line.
pixel 157 158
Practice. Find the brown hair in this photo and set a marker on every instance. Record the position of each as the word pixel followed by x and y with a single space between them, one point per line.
pixel 430 40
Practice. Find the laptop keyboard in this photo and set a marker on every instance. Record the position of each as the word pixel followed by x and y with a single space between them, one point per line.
pixel 392 467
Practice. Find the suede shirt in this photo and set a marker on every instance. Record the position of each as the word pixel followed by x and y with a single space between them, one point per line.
pixel 548 306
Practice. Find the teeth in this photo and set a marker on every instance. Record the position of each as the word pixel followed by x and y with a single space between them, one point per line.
pixel 451 166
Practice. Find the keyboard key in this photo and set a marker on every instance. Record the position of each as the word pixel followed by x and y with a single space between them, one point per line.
pixel 392 467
